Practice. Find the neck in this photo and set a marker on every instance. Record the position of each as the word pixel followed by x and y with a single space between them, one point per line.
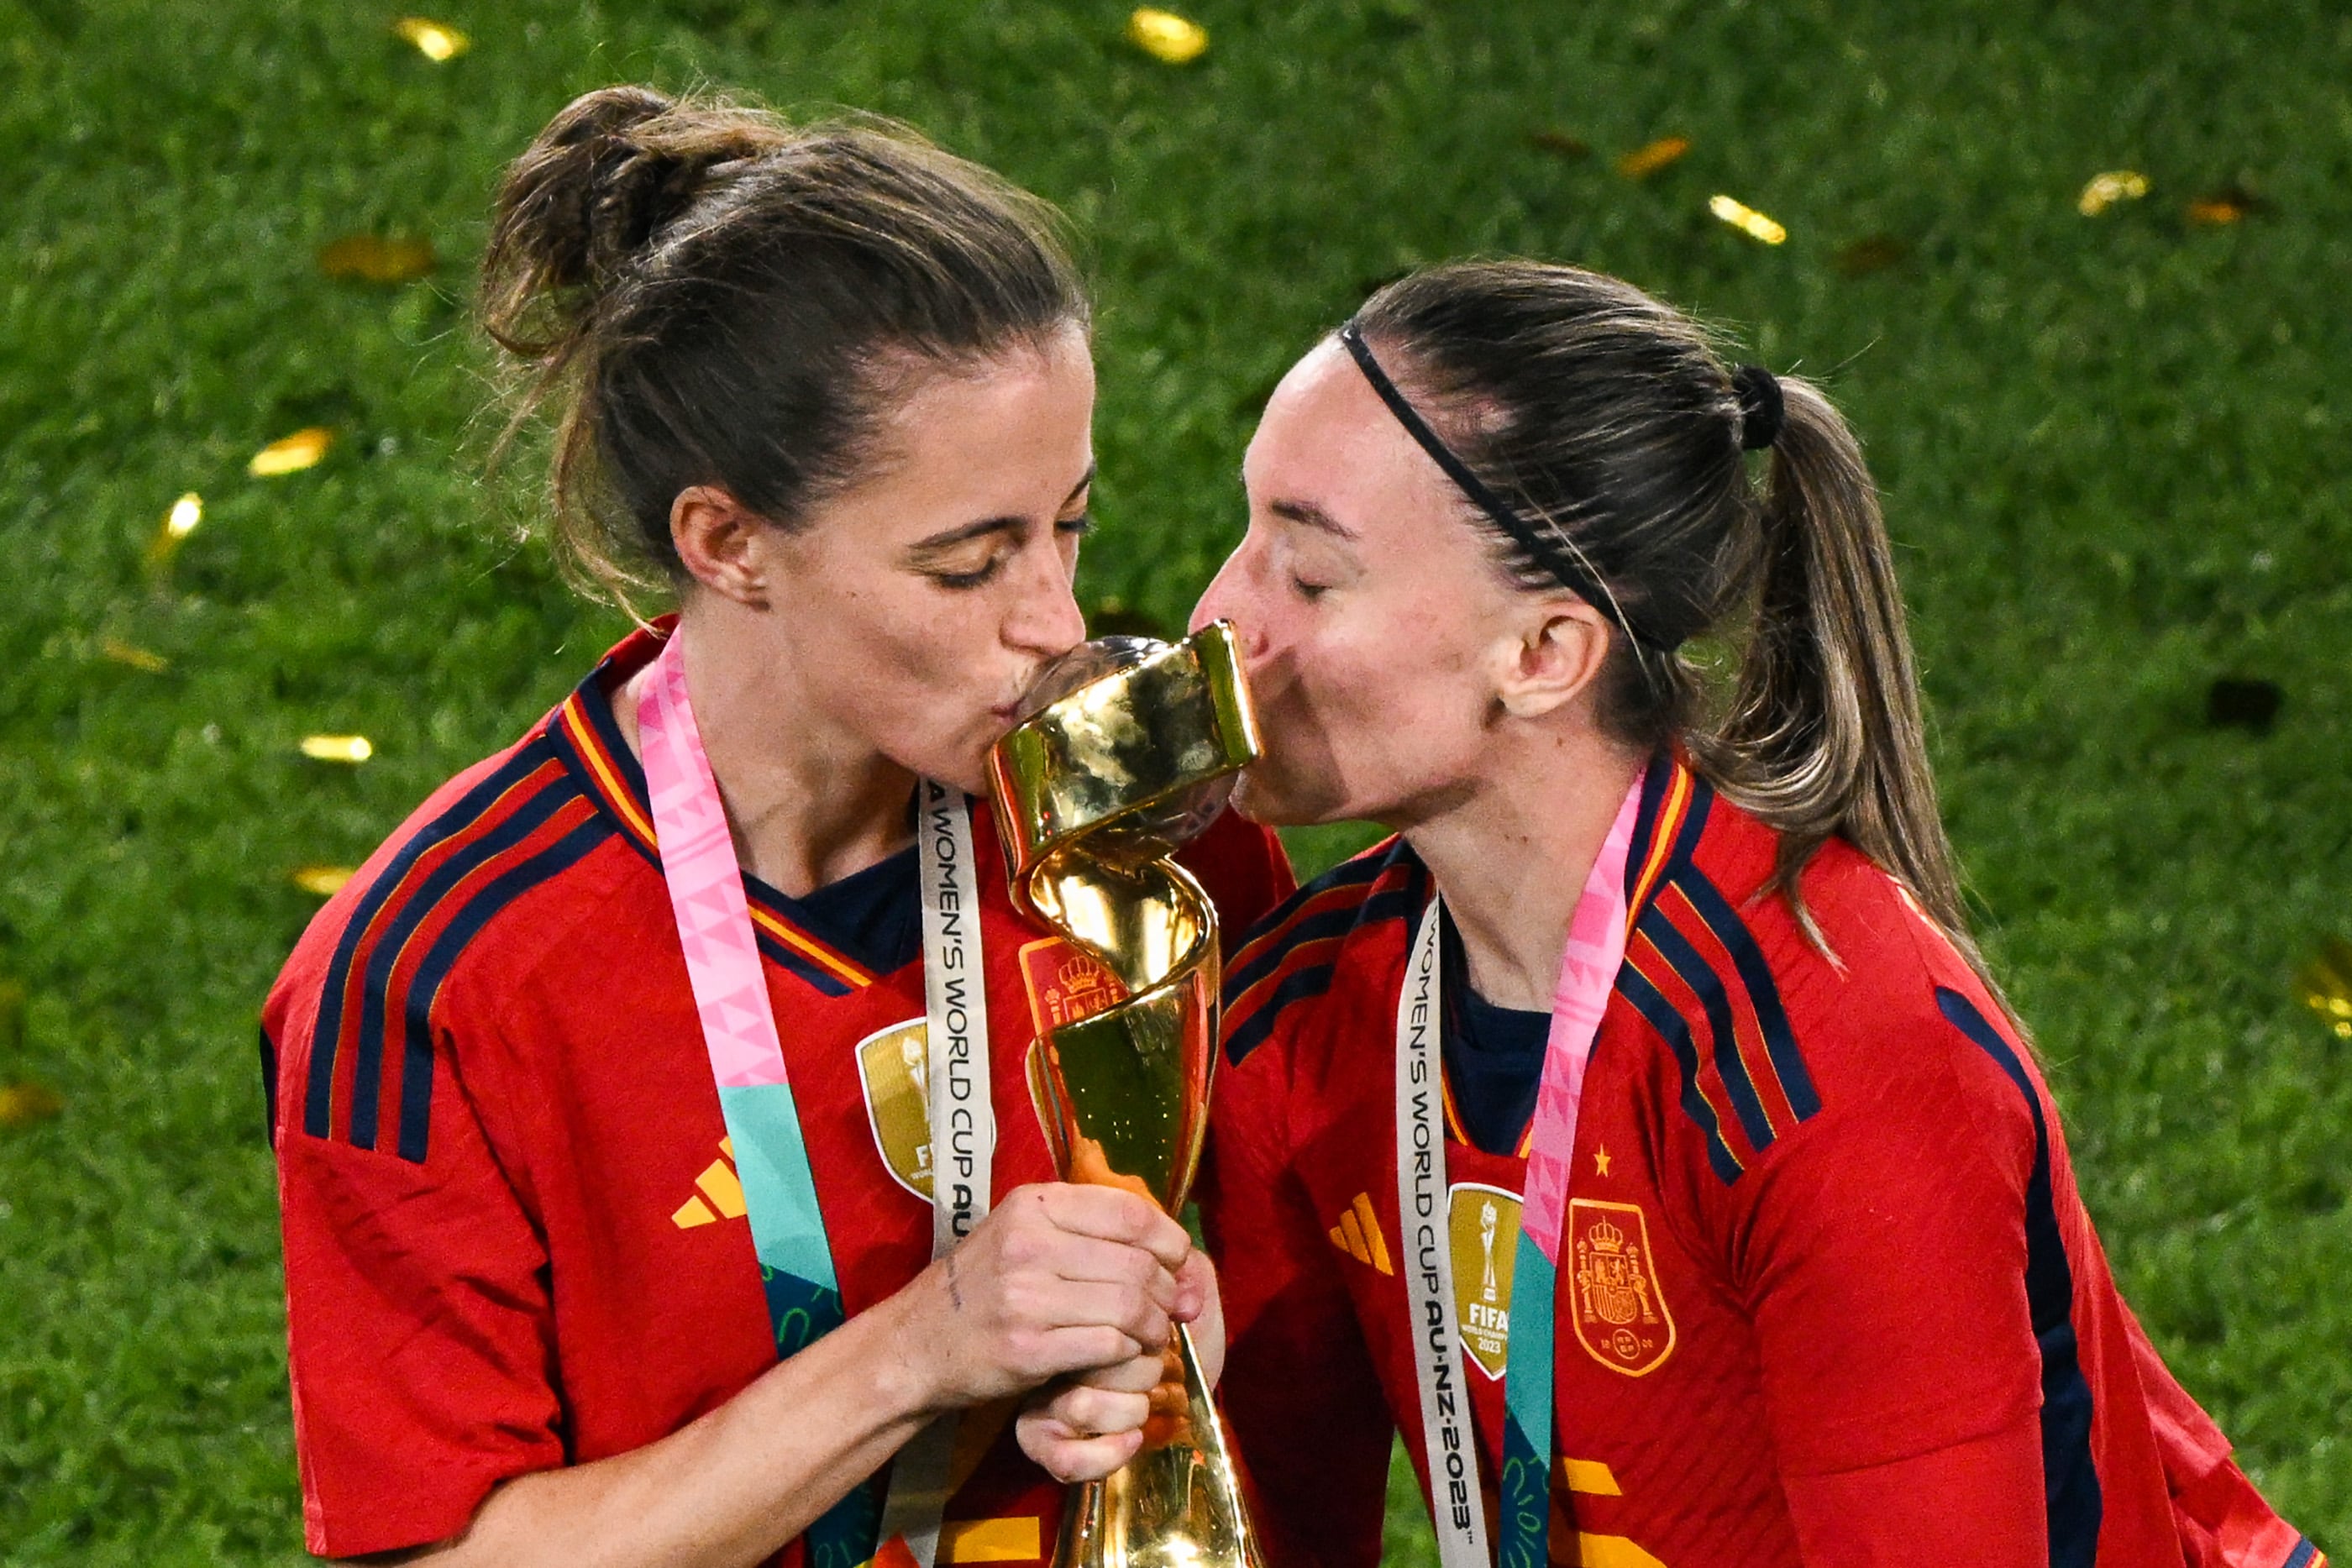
pixel 1512 856
pixel 807 802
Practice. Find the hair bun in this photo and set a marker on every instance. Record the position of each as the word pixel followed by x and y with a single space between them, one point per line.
pixel 608 173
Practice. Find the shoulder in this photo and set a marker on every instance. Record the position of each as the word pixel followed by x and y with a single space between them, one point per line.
pixel 1781 1044
pixel 1354 918
pixel 477 878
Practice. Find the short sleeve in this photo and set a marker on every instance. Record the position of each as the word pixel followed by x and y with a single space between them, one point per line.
pixel 419 1323
pixel 1883 1248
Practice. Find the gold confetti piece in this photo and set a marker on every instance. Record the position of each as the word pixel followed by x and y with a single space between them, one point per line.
pixel 2105 190
pixel 1875 254
pixel 352 748
pixel 22 1104
pixel 292 453
pixel 1171 39
pixel 369 258
pixel 2325 985
pixel 433 40
pixel 1644 161
pixel 2228 205
pixel 325 881
pixel 1559 144
pixel 1747 220
pixel 178 524
pixel 137 658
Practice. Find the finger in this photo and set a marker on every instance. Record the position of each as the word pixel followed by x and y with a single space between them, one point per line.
pixel 1136 1374
pixel 1196 1285
pixel 1068 1457
pixel 1074 1257
pixel 1099 1412
pixel 1056 1352
pixel 1115 1215
pixel 1080 1303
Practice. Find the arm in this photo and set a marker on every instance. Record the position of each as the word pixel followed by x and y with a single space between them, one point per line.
pixel 1894 1251
pixel 1055 1279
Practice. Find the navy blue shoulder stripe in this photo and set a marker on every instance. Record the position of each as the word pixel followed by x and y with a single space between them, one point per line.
pixel 1652 1004
pixel 1358 872
pixel 1763 991
pixel 2069 1478
pixel 384 955
pixel 1253 1031
pixel 416 1052
pixel 1692 969
pixel 468 808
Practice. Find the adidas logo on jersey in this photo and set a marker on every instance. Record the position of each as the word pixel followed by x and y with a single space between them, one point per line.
pixel 1358 1235
pixel 720 1186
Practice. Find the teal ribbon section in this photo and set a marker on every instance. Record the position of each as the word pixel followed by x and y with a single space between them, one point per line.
pixel 796 1275
pixel 1528 1403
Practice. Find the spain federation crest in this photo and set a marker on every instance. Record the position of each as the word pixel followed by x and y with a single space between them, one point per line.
pixel 1483 1225
pixel 1619 1313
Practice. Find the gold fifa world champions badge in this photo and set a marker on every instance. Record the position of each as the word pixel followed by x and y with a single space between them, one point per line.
pixel 1484 1223
pixel 1621 1315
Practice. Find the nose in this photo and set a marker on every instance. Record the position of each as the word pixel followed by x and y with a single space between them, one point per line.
pixel 1215 600
pixel 1047 618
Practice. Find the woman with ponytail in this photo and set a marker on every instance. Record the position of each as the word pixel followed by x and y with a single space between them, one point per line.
pixel 660 1178
pixel 1639 1131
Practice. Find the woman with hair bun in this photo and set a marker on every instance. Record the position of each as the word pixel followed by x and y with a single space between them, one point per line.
pixel 660 1177
pixel 1639 1131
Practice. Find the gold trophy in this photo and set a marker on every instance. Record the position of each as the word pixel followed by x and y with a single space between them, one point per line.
pixel 1130 748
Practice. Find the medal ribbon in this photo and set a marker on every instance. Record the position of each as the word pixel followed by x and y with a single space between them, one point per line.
pixel 1595 950
pixel 705 881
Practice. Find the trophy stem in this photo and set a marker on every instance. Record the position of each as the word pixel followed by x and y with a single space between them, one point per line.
pixel 1178 1505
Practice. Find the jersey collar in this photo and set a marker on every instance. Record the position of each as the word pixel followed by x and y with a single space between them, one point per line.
pixel 840 939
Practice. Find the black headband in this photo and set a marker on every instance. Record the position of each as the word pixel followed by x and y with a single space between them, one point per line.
pixel 1550 550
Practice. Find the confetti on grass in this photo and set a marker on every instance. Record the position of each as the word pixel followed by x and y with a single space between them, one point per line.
pixel 2325 985
pixel 1747 220
pixel 435 41
pixel 352 748
pixel 291 454
pixel 1644 161
pixel 129 654
pixel 1171 39
pixel 324 881
pixel 178 524
pixel 22 1104
pixel 2105 190
pixel 369 258
pixel 2229 204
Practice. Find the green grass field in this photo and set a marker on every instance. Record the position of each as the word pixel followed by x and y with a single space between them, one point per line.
pixel 2112 448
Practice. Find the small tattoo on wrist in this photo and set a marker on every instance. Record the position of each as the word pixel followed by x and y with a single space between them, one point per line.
pixel 954 1294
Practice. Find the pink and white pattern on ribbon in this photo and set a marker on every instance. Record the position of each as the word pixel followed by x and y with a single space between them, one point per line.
pixel 706 883
pixel 1588 975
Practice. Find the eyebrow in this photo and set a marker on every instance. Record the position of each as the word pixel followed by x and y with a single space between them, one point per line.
pixel 986 526
pixel 1307 514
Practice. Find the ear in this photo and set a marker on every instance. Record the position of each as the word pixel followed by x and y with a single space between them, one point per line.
pixel 1556 653
pixel 724 544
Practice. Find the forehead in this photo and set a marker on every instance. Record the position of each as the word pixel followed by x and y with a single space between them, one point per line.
pixel 1327 439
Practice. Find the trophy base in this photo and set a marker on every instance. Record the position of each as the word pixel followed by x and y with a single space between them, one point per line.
pixel 1176 1506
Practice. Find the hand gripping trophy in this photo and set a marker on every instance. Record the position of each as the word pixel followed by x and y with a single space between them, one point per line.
pixel 1128 748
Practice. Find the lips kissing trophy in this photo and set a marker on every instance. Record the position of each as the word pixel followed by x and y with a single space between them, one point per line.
pixel 1128 748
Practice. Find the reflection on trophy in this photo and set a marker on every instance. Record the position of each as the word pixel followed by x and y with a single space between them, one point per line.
pixel 1127 750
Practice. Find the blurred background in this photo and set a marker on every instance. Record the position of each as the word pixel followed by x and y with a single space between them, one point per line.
pixel 2075 272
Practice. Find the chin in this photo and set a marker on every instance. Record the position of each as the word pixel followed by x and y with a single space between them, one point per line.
pixel 1262 801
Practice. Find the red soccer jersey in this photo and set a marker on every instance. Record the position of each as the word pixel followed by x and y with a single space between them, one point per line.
pixel 514 1238
pixel 1827 1294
